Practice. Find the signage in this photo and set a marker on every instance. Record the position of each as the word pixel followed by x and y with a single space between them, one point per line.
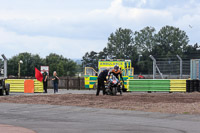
pixel 44 68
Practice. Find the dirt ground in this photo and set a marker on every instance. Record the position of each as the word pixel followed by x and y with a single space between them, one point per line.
pixel 177 103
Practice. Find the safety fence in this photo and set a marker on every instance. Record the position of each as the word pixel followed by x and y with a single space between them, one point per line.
pixel 173 85
pixel 19 85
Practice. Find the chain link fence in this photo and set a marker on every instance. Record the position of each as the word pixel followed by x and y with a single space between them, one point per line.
pixel 169 68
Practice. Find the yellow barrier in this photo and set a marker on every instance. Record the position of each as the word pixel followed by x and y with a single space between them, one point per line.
pixel 38 86
pixel 17 85
pixel 178 85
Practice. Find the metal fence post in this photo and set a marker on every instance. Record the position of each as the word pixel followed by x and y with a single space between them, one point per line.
pixel 5 65
pixel 154 66
pixel 181 66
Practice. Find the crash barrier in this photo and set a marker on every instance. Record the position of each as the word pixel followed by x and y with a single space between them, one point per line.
pixel 16 85
pixel 21 85
pixel 38 86
pixel 28 86
pixel 64 82
pixel 177 85
pixel 149 85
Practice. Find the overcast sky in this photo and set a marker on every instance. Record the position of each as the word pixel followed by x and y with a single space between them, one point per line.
pixel 73 27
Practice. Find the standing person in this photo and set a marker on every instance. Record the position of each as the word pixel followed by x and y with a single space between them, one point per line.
pixel 45 77
pixel 101 78
pixel 55 82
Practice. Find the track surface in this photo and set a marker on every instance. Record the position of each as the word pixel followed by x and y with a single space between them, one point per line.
pixel 68 119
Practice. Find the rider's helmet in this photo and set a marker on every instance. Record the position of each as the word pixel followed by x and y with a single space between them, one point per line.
pixel 116 67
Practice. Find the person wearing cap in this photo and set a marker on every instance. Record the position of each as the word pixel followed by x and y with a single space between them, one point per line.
pixel 101 78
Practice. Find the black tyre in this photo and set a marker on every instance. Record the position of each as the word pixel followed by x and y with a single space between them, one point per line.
pixel 114 91
pixel 188 85
pixel 7 89
pixel 192 86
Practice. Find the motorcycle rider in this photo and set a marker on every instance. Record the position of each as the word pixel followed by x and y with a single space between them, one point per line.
pixel 116 72
pixel 101 78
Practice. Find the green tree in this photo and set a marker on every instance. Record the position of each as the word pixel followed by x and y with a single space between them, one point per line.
pixel 120 44
pixel 70 68
pixel 144 40
pixel 91 60
pixel 103 54
pixel 63 66
pixel 192 51
pixel 170 41
pixel 52 60
pixel 28 67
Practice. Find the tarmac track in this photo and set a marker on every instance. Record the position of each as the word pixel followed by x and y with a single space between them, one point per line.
pixel 67 119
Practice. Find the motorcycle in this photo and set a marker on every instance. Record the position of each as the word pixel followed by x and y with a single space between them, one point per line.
pixel 114 86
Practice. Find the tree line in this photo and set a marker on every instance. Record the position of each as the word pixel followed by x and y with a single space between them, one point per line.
pixel 125 44
pixel 63 66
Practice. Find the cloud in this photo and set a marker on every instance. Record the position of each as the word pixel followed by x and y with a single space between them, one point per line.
pixel 72 29
pixel 180 13
pixel 12 44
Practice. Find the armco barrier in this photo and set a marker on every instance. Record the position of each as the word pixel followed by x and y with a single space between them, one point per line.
pixel 17 85
pixel 177 85
pixel 157 85
pixel 38 86
pixel 148 85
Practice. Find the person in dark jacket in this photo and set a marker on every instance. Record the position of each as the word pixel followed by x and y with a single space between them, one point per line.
pixel 101 78
pixel 55 82
pixel 45 78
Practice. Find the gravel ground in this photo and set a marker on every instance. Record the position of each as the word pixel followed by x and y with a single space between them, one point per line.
pixel 177 103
